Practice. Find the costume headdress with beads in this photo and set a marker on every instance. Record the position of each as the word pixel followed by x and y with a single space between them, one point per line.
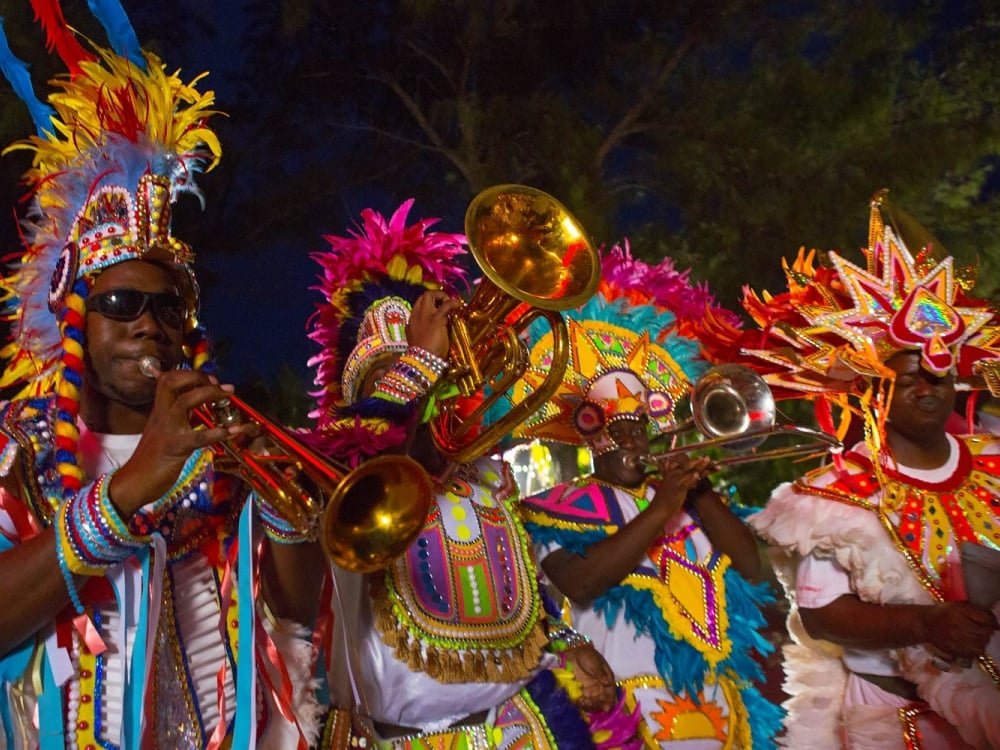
pixel 630 355
pixel 830 334
pixel 117 142
pixel 369 282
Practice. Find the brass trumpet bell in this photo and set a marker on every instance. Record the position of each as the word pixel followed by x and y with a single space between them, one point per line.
pixel 734 408
pixel 536 260
pixel 365 517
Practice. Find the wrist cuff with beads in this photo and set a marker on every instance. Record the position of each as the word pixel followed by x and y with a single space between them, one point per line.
pixel 90 535
pixel 410 376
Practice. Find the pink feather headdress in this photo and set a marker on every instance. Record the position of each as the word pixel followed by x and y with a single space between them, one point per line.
pixel 379 260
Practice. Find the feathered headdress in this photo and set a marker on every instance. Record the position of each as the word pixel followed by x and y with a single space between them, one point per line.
pixel 370 280
pixel 829 335
pixel 630 354
pixel 117 142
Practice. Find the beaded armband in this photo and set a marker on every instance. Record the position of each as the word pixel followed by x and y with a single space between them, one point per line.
pixel 91 537
pixel 563 638
pixel 410 376
pixel 278 528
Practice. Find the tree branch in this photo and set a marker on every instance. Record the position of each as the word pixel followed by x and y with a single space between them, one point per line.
pixel 629 123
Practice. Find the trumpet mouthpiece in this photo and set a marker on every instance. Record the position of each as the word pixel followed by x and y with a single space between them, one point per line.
pixel 150 366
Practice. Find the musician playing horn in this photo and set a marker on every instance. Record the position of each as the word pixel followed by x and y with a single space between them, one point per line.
pixel 452 644
pixel 653 565
pixel 130 609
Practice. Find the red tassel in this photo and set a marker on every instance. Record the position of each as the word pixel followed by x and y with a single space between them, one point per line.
pixel 59 36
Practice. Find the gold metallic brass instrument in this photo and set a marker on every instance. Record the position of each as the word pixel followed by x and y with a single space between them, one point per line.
pixel 734 408
pixel 536 260
pixel 366 517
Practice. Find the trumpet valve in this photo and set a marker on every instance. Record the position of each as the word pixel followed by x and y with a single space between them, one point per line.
pixel 464 369
pixel 225 413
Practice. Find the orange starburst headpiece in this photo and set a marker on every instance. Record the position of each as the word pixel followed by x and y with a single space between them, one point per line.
pixel 830 334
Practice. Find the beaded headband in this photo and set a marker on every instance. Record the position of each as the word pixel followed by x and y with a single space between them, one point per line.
pixel 382 332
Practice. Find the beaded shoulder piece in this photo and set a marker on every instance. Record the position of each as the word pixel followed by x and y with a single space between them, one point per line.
pixel 463 603
pixel 27 426
pixel 575 506
pixel 927 520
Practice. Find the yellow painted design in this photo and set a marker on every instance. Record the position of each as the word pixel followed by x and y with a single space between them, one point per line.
pixel 679 718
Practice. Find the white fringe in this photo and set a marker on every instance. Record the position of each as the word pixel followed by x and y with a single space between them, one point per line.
pixel 293 643
pixel 797 525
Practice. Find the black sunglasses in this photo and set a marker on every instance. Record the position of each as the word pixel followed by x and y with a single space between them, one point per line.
pixel 130 304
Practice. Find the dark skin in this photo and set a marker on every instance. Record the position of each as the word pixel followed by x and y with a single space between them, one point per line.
pixel 117 398
pixel 959 631
pixel 428 329
pixel 606 563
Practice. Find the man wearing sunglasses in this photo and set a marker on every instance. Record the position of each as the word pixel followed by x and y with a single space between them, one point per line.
pixel 141 608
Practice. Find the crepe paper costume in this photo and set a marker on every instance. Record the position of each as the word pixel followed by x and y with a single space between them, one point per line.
pixel 451 645
pixel 886 532
pixel 163 644
pixel 681 630
pixel 897 541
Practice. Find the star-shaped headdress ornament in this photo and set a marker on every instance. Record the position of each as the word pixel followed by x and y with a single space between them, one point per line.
pixel 838 323
pixel 630 355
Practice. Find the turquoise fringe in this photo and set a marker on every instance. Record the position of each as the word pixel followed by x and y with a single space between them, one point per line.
pixel 680 664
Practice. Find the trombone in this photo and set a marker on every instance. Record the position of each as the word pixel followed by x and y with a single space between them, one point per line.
pixel 734 408
pixel 365 517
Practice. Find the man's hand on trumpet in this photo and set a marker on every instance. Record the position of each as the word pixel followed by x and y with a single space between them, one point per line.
pixel 170 435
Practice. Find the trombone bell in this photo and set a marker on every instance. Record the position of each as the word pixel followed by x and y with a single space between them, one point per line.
pixel 731 402
pixel 734 408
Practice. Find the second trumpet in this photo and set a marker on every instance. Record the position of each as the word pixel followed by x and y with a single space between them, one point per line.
pixel 733 407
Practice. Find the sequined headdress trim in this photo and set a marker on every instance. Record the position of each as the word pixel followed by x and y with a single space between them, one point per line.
pixel 117 141
pixel 839 322
pixel 630 355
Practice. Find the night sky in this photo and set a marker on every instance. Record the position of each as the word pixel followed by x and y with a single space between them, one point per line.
pixel 296 135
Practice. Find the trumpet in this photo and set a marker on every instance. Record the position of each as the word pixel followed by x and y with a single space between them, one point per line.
pixel 365 517
pixel 536 261
pixel 734 407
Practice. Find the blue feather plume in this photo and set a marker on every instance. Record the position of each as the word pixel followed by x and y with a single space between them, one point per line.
pixel 118 27
pixel 16 72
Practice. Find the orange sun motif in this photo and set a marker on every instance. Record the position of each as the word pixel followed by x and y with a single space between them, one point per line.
pixel 687 720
